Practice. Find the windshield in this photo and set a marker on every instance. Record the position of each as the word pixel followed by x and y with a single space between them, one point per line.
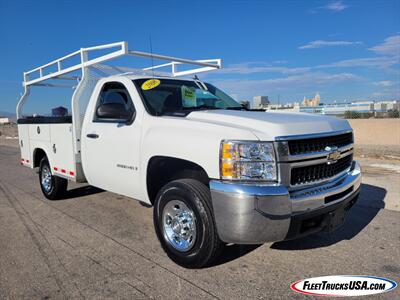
pixel 166 96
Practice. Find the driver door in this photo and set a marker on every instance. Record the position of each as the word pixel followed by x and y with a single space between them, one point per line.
pixel 111 144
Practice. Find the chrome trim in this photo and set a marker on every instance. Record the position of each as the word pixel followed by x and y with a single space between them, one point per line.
pixel 46 179
pixel 316 161
pixel 284 155
pixel 319 182
pixel 312 135
pixel 286 161
pixel 179 225
pixel 309 199
pixel 248 214
pixel 249 189
pixel 286 172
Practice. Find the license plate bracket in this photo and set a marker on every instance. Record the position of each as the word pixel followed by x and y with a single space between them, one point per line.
pixel 335 219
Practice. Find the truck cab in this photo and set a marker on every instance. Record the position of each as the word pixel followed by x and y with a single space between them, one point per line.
pixel 213 171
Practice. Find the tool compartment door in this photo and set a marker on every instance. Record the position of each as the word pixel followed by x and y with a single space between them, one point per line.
pixel 62 150
pixel 24 144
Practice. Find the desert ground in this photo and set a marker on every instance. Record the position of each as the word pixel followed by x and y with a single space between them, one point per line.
pixel 99 245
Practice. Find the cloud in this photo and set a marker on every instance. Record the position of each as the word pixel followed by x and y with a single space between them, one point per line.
pixel 247 88
pixel 321 43
pixel 391 46
pixel 386 95
pixel 278 62
pixel 293 80
pixel 377 94
pixel 379 62
pixel 384 83
pixel 250 68
pixel 336 6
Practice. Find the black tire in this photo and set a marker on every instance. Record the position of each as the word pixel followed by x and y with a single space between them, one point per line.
pixel 144 204
pixel 196 196
pixel 56 187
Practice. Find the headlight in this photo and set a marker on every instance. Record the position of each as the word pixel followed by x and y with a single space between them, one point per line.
pixel 242 160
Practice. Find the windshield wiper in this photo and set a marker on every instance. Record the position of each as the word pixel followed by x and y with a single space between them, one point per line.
pixel 237 108
pixel 200 107
pixel 200 83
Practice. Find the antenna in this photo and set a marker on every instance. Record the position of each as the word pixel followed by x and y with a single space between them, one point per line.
pixel 151 52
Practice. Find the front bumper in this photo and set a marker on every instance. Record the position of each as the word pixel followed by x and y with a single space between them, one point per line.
pixel 253 214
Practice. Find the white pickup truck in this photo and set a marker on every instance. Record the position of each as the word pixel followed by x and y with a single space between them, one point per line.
pixel 214 171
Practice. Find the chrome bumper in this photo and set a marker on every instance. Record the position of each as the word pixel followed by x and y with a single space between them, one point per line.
pixel 252 214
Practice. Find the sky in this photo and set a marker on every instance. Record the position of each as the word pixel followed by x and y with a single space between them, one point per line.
pixel 345 50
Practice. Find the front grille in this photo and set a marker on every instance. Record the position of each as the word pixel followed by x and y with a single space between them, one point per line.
pixel 318 144
pixel 309 174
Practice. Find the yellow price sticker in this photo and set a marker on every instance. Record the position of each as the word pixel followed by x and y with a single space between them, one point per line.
pixel 150 84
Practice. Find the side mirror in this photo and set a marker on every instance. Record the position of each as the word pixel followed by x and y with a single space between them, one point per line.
pixel 113 111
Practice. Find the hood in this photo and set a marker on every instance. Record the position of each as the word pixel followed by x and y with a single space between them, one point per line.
pixel 269 125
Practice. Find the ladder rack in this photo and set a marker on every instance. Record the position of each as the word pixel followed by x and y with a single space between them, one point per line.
pixel 37 76
pixel 122 50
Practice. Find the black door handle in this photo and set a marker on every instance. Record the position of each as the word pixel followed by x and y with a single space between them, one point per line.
pixel 92 135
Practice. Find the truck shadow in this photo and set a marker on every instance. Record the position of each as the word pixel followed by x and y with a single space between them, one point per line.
pixel 81 191
pixel 370 202
pixel 232 252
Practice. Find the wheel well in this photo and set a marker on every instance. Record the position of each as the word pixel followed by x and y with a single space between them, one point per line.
pixel 163 169
pixel 38 154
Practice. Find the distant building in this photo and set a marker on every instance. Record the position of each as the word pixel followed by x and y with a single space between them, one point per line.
pixel 313 101
pixel 4 121
pixel 260 101
pixel 338 109
pixel 387 105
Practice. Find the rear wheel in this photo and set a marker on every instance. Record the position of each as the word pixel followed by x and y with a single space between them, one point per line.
pixel 185 225
pixel 53 187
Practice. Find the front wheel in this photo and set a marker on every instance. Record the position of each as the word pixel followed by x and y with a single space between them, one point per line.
pixel 185 225
pixel 53 187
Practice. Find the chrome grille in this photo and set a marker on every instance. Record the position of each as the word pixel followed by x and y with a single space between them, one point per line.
pixel 318 144
pixel 317 172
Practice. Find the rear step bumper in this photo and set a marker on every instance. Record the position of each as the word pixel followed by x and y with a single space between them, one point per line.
pixel 253 214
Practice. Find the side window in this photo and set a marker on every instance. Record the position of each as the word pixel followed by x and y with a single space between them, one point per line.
pixel 114 103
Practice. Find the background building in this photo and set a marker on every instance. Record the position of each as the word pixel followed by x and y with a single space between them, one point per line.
pixel 260 101
pixel 378 108
pixel 313 101
pixel 4 120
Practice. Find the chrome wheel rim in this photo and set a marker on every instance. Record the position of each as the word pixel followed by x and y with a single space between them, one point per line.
pixel 179 225
pixel 46 178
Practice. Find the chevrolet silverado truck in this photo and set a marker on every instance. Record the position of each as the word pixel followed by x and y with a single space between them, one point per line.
pixel 214 171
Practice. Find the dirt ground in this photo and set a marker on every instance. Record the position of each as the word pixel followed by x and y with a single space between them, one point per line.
pixel 9 135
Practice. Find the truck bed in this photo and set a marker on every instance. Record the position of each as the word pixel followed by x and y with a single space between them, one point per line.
pixel 54 136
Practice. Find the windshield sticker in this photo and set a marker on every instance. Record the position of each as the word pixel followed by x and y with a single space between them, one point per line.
pixel 188 96
pixel 150 84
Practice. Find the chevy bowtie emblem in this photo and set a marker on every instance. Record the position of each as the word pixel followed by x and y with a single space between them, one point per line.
pixel 333 155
